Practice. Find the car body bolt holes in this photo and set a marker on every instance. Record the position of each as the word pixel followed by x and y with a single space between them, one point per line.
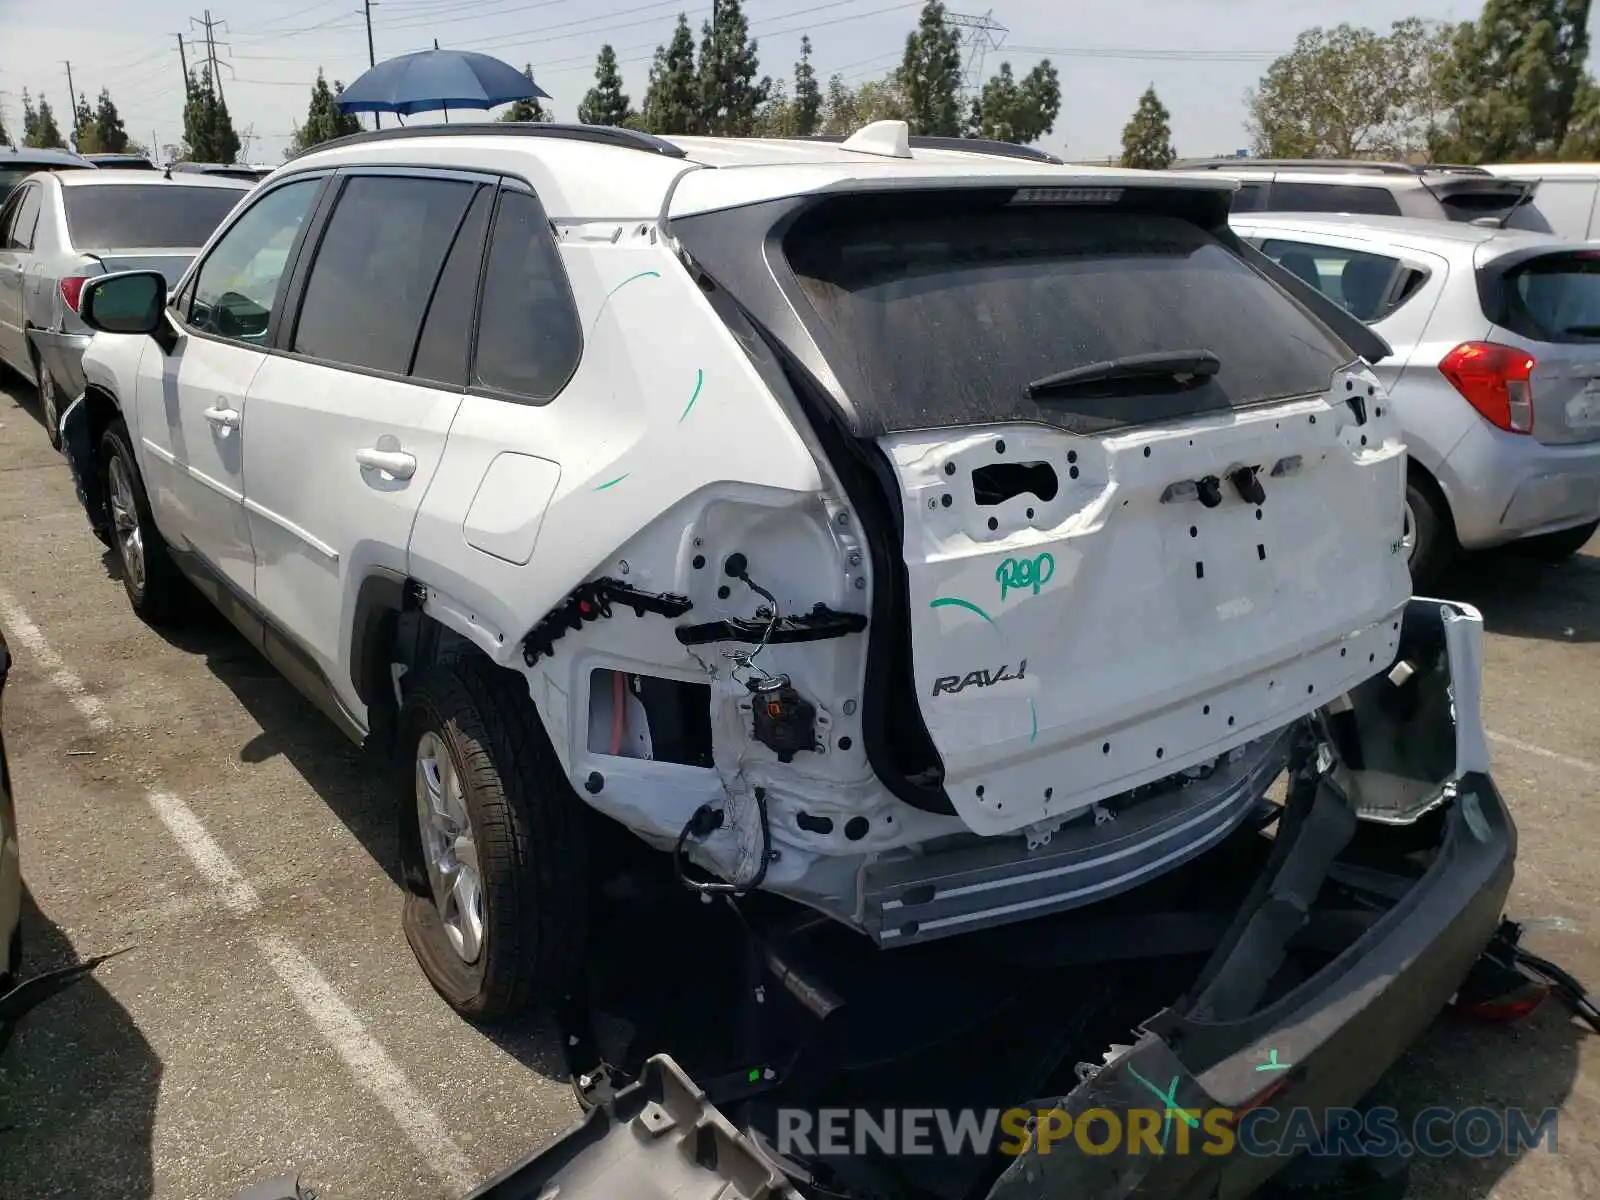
pixel 1072 473
pixel 812 824
pixel 980 791
pixel 622 567
pixel 861 583
pixel 842 519
pixel 1310 687
pixel 1230 720
pixel 1258 514
pixel 1147 451
pixel 1271 683
pixel 849 708
pixel 1030 514
pixel 1206 711
pixel 723 593
pixel 1372 658
pixel 595 784
pixel 1371 391
pixel 1105 747
pixel 1048 792
pixel 1194 531
pixel 699 561
pixel 993 524
pixel 933 503
pixel 1199 570
pixel 845 743
pixel 855 558
pixel 1349 385
pixel 699 543
pixel 1363 439
pixel 1072 456
pixel 1313 418
pixel 949 468
pixel 1343 650
pixel 947 499
pixel 1000 446
pixel 857 828
pixel 921 893
pixel 1161 752
pixel 1261 552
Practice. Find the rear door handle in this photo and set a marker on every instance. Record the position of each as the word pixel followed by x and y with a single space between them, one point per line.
pixel 391 462
pixel 223 418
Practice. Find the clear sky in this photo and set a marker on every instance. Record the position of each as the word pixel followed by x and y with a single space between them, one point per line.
pixel 1201 55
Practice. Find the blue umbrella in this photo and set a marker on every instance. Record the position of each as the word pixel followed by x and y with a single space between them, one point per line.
pixel 435 79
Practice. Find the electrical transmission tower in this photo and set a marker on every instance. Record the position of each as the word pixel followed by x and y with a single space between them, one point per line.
pixel 979 35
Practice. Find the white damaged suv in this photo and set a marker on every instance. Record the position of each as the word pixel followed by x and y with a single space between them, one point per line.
pixel 928 533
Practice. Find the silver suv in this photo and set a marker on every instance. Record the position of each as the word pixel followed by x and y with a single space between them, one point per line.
pixel 1380 189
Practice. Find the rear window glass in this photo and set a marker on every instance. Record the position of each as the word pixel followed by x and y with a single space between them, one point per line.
pixel 141 215
pixel 1333 197
pixel 1495 206
pixel 944 319
pixel 1553 298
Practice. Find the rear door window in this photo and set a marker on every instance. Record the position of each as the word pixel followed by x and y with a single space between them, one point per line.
pixel 1332 197
pixel 1368 286
pixel 936 319
pixel 529 339
pixel 26 221
pixel 375 270
pixel 446 339
pixel 146 215
pixel 1551 298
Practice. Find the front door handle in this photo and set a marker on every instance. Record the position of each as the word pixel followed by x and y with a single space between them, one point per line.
pixel 223 418
pixel 391 462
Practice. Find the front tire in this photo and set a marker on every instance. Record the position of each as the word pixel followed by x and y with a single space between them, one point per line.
pixel 505 920
pixel 156 588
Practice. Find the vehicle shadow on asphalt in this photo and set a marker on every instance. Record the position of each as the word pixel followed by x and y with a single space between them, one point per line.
pixel 1459 1064
pixel 1522 597
pixel 78 1087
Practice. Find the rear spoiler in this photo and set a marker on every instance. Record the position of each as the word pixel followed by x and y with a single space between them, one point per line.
pixel 1354 333
pixel 1517 191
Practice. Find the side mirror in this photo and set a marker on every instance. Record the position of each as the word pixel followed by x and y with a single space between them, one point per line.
pixel 127 302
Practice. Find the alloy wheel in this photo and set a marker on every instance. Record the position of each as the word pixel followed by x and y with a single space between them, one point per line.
pixel 125 522
pixel 450 847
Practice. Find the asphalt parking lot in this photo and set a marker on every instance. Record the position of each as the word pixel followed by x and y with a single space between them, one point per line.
pixel 179 801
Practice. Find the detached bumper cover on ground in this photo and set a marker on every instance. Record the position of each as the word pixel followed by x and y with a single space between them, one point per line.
pixel 1322 1044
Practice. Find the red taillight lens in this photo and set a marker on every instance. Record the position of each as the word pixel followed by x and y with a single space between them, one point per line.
pixel 72 290
pixel 1496 380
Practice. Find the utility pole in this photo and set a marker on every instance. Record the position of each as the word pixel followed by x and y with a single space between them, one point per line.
pixel 211 53
pixel 183 61
pixel 72 94
pixel 372 59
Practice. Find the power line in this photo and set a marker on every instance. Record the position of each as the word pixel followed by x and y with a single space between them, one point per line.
pixel 979 35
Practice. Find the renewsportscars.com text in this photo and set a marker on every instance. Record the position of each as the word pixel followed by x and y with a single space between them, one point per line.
pixel 1435 1132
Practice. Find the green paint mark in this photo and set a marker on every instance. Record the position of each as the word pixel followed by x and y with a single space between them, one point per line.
pixel 1273 1064
pixel 1033 716
pixel 699 381
pixel 755 1075
pixel 613 482
pixel 1017 574
pixel 615 290
pixel 1169 1100
pixel 954 602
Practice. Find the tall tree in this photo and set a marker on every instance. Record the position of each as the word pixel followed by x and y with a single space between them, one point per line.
pixel 1333 95
pixel 778 117
pixel 39 129
pixel 1147 137
pixel 208 132
pixel 1009 111
pixel 324 121
pixel 605 103
pixel 1582 143
pixel 807 95
pixel 5 138
pixel 672 101
pixel 846 109
pixel 1419 63
pixel 930 74
pixel 529 109
pixel 1516 75
pixel 109 132
pixel 83 127
pixel 730 93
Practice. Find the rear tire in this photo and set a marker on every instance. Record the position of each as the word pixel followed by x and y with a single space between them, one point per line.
pixel 490 798
pixel 1430 532
pixel 1563 544
pixel 156 588
pixel 49 402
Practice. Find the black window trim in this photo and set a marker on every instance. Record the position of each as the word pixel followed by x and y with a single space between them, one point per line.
pixel 281 337
pixel 513 184
pixel 189 282
pixel 8 210
pixel 22 198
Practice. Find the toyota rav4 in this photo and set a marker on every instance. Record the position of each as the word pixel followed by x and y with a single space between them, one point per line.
pixel 924 532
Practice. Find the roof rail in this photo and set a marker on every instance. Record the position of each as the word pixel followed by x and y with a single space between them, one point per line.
pixel 602 135
pixel 1301 164
pixel 962 144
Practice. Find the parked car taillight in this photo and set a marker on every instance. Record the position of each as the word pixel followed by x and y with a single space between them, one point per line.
pixel 1496 380
pixel 72 290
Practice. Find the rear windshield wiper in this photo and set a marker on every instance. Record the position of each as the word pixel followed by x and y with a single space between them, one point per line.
pixel 1176 366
